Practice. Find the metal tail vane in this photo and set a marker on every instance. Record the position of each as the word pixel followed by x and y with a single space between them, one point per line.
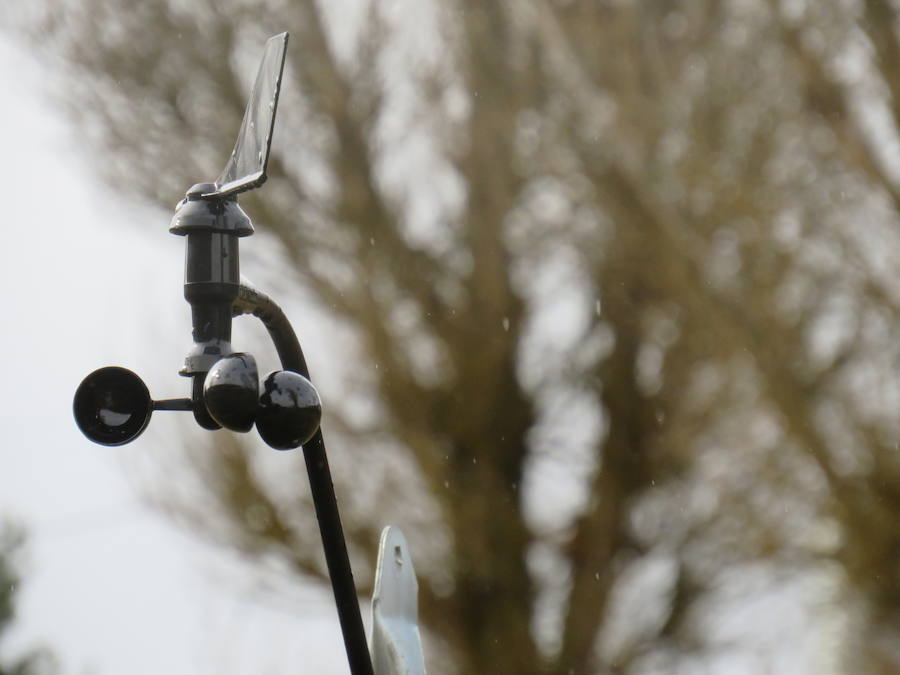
pixel 113 405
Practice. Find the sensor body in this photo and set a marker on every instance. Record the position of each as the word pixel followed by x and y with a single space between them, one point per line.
pixel 212 226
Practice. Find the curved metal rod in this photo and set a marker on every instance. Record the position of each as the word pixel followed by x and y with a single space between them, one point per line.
pixel 252 301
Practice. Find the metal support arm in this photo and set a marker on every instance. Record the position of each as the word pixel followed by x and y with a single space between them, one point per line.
pixel 252 301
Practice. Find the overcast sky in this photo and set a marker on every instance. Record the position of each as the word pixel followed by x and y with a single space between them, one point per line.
pixel 110 587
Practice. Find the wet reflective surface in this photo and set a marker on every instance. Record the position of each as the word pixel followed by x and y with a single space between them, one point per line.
pixel 112 406
pixel 246 168
pixel 289 410
pixel 231 391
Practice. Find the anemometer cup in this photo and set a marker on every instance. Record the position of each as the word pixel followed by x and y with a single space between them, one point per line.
pixel 290 410
pixel 112 406
pixel 231 391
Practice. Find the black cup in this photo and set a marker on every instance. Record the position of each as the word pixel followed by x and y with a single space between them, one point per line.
pixel 112 406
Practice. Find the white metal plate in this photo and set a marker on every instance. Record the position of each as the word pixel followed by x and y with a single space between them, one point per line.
pixel 396 642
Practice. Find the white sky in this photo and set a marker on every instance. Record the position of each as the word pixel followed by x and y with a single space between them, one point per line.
pixel 110 587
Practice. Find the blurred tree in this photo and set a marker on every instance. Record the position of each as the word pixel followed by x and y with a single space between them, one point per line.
pixel 36 662
pixel 618 280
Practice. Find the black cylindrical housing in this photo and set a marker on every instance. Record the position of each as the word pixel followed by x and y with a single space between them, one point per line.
pixel 212 227
pixel 212 258
pixel 211 283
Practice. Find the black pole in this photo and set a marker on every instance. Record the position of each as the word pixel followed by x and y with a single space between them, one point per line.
pixel 251 301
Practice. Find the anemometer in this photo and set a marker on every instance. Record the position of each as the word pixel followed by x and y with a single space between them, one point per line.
pixel 113 406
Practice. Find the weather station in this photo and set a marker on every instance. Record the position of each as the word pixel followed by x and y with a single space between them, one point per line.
pixel 113 406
